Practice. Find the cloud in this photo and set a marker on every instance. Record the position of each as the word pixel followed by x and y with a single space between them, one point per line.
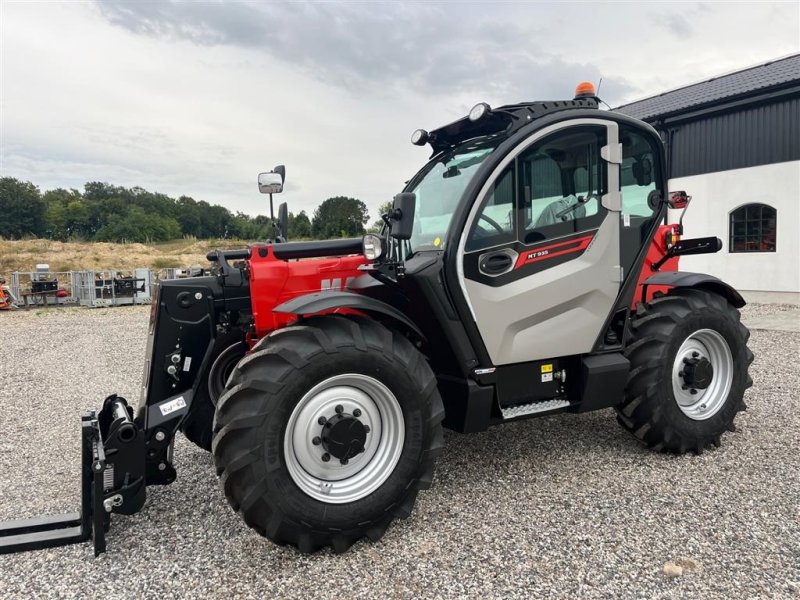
pixel 441 49
pixel 678 24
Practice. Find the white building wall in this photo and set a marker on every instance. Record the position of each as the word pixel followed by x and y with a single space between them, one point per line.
pixel 715 195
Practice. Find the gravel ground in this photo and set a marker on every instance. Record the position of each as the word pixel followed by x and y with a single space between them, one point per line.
pixel 559 507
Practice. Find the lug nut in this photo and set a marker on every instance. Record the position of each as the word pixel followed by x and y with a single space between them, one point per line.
pixel 339 409
pixel 357 412
pixel 316 441
pixel 344 461
pixel 366 428
pixel 326 457
pixel 695 354
pixel 322 420
pixel 693 391
pixel 680 373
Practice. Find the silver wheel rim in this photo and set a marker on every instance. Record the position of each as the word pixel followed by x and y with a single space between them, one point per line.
pixel 332 481
pixel 703 403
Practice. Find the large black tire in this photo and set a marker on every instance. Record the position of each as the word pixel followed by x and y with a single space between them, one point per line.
pixel 229 349
pixel 253 414
pixel 659 328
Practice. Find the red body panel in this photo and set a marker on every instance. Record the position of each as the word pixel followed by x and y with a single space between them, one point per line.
pixel 656 251
pixel 274 281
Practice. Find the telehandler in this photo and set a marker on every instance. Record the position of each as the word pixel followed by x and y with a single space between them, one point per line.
pixel 527 269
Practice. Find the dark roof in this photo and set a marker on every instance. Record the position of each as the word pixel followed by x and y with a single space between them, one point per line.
pixel 778 73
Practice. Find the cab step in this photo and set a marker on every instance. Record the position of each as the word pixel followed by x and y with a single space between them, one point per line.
pixel 512 412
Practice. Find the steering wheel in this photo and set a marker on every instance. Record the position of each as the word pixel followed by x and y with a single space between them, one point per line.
pixel 492 222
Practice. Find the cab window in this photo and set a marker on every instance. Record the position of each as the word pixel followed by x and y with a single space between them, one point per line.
pixel 562 181
pixel 496 222
pixel 637 173
pixel 638 184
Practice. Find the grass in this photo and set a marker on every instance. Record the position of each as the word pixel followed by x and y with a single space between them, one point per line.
pixel 24 255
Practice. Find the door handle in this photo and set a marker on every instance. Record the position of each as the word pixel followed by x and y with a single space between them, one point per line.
pixel 495 264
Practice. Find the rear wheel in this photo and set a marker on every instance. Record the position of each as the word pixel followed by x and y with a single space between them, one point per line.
pixel 327 431
pixel 689 361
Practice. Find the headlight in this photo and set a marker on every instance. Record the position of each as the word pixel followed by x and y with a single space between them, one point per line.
pixel 373 247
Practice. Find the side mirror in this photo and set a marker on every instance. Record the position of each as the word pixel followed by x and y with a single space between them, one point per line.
pixel 642 171
pixel 270 183
pixel 402 215
pixel 283 220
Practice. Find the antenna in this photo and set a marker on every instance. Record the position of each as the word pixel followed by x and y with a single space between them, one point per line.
pixel 597 93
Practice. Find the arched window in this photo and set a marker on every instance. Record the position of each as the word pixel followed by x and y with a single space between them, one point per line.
pixel 753 228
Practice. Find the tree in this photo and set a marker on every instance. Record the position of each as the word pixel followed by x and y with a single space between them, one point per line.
pixel 66 214
pixel 136 225
pixel 339 217
pixel 299 226
pixel 383 209
pixel 22 209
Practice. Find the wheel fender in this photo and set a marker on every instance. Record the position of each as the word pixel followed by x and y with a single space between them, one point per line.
pixel 321 302
pixel 684 279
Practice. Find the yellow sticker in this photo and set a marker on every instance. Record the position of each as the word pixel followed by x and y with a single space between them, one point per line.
pixel 547 368
pixel 437 241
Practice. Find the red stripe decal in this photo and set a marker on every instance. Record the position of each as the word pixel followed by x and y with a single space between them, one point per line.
pixel 551 251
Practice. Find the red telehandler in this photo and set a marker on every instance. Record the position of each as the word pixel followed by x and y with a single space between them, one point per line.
pixel 527 269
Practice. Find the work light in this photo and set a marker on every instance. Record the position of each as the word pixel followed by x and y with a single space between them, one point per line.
pixel 373 247
pixel 480 110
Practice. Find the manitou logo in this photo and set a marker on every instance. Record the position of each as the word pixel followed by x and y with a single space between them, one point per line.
pixel 334 285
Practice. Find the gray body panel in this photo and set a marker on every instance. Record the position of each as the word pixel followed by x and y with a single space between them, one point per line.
pixel 561 310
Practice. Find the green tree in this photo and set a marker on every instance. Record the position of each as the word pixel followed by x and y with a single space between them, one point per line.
pixel 383 209
pixel 299 226
pixel 22 209
pixel 136 225
pixel 66 214
pixel 339 217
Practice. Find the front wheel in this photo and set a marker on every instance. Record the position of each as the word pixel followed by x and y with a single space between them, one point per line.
pixel 326 432
pixel 689 361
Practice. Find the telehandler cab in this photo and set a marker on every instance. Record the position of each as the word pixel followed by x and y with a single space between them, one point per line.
pixel 527 269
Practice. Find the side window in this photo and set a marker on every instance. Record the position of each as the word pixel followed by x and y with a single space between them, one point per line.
pixel 562 180
pixel 496 223
pixel 638 179
pixel 637 175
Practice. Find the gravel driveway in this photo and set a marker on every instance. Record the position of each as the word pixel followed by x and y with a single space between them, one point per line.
pixel 559 507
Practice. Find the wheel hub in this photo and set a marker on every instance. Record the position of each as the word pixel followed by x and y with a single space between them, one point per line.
pixel 702 374
pixel 343 436
pixel 698 372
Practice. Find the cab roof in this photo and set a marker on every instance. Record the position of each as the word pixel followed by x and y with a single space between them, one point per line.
pixel 505 119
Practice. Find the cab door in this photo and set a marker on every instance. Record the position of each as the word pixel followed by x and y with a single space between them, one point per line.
pixel 539 258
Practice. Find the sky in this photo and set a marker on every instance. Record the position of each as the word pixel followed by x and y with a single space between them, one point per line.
pixel 196 98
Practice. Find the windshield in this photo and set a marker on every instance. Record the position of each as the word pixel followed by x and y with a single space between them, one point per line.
pixel 440 189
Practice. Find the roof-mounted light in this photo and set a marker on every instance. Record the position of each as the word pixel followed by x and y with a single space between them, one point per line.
pixel 585 89
pixel 480 110
pixel 419 137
